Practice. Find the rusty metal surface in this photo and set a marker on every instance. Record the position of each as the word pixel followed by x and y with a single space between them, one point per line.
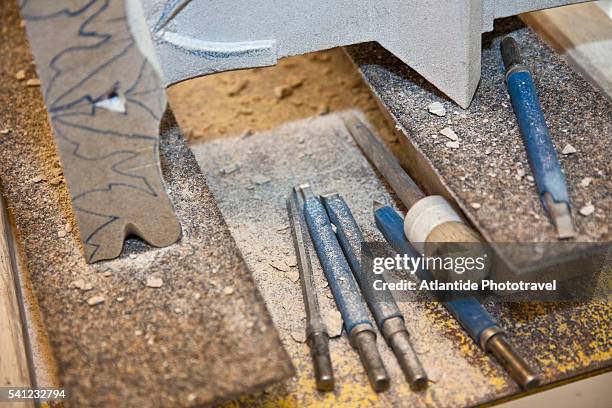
pixel 197 338
pixel 563 341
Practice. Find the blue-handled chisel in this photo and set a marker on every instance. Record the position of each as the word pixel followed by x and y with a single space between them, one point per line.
pixel 540 150
pixel 467 310
pixel 381 302
pixel 346 293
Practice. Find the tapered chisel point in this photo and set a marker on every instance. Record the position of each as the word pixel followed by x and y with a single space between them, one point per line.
pixel 377 205
pixel 561 216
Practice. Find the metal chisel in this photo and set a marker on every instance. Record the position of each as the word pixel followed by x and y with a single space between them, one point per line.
pixel 472 316
pixel 381 302
pixel 316 332
pixel 344 288
pixel 431 220
pixel 540 150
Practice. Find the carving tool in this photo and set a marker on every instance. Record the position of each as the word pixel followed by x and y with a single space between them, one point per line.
pixel 382 305
pixel 540 150
pixel 467 310
pixel 430 219
pixel 316 332
pixel 344 288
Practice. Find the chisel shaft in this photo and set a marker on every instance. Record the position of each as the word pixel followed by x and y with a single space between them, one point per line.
pixel 540 149
pixel 344 288
pixel 381 302
pixel 467 310
pixel 316 332
pixel 430 219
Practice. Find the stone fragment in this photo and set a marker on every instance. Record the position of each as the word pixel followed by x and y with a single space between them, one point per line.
pixel 452 145
pixel 437 109
pixel 20 75
pixel 568 149
pixel 5 131
pixel 61 233
pixel 587 210
pixel 475 206
pixel 33 82
pixel 154 282
pixel 333 322
pixel 260 179
pixel 229 169
pixel 95 300
pixel 82 284
pixel 280 265
pixel 450 133
pixel 585 182
pixel 228 290
pixel 281 92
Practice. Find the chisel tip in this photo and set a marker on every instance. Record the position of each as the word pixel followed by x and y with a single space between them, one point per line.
pixel 561 216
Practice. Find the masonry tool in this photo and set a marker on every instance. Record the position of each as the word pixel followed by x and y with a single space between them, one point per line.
pixel 344 288
pixel 430 219
pixel 316 332
pixel 467 310
pixel 382 305
pixel 536 138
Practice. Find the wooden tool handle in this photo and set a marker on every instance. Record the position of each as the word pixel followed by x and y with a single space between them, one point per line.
pixel 455 239
pixel 436 230
pixel 453 231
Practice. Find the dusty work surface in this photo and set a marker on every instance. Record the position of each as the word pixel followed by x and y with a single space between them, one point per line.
pixel 487 172
pixel 156 327
pixel 251 177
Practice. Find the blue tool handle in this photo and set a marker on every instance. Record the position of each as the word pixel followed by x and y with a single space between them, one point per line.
pixel 540 150
pixel 337 271
pixel 467 310
pixel 381 302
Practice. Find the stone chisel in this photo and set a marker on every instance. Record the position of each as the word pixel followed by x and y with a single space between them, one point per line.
pixel 431 220
pixel 317 336
pixel 540 149
pixel 472 316
pixel 346 292
pixel 381 302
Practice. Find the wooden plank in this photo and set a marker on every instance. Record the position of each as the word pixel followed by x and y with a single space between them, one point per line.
pixel 14 370
pixel 583 34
